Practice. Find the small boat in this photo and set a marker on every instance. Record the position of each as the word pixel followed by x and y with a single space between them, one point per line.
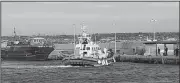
pixel 88 53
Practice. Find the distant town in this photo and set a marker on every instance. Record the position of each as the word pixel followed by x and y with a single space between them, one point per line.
pixel 103 37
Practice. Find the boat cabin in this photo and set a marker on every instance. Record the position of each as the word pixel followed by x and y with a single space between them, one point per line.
pixel 86 47
pixel 37 41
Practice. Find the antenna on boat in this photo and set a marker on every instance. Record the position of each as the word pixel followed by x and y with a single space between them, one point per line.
pixel 82 27
pixel 74 26
pixel 15 35
pixel 90 32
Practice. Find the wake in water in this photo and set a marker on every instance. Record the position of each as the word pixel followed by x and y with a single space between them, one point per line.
pixel 31 66
pixel 55 66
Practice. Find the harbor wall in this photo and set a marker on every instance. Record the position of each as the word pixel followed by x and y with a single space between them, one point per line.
pixel 148 59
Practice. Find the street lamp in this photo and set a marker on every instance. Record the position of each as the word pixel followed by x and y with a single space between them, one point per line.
pixel 154 21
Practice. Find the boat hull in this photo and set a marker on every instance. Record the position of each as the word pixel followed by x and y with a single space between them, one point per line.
pixel 80 62
pixel 86 61
pixel 26 53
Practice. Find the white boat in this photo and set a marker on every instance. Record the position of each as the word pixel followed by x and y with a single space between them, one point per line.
pixel 88 52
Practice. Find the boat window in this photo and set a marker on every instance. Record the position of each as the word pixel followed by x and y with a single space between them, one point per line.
pixel 88 48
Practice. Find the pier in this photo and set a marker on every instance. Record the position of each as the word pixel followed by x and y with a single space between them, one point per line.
pixel 148 59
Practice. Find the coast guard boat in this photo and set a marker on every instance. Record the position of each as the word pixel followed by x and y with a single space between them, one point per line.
pixel 88 53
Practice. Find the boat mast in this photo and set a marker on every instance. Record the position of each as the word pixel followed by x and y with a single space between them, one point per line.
pixel 15 34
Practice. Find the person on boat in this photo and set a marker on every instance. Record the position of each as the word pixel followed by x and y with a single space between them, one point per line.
pixel 159 50
pixel 110 53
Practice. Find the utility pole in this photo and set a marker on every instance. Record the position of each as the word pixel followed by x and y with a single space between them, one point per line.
pixel 115 36
pixel 153 21
pixel 74 26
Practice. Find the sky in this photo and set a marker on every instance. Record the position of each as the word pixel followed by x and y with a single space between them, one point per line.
pixel 56 18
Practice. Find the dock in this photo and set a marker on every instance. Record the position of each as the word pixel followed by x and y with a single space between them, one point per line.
pixel 148 59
